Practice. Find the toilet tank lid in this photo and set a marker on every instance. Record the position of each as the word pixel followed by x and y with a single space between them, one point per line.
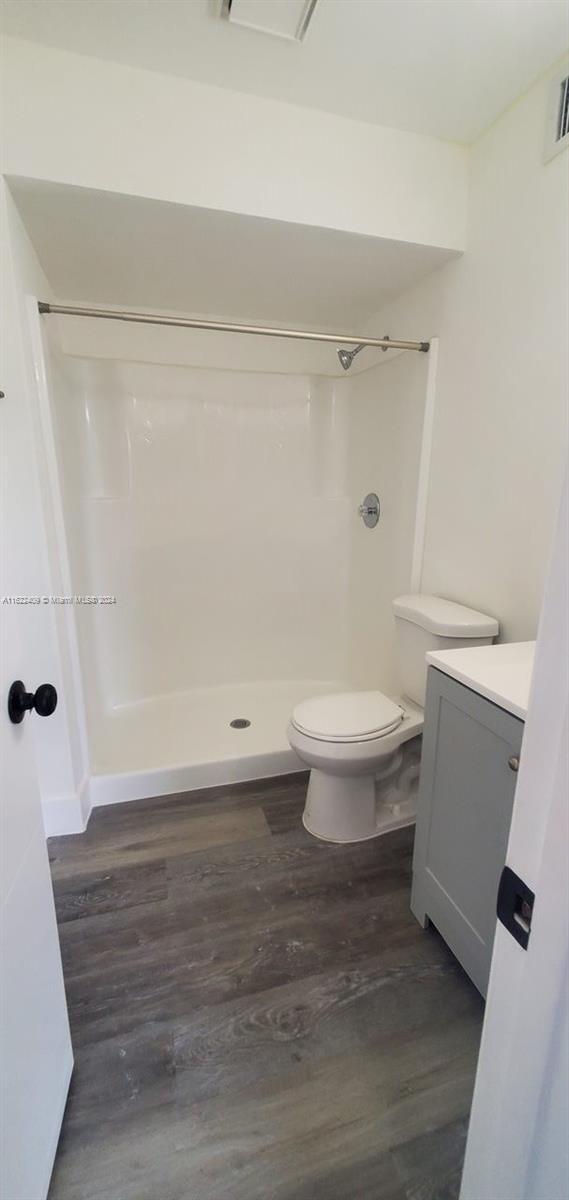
pixel 445 618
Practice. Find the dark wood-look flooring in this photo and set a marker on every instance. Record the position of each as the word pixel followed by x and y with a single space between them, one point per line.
pixel 256 1015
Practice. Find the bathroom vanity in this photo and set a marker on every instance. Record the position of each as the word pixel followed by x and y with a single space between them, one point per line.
pixel 474 720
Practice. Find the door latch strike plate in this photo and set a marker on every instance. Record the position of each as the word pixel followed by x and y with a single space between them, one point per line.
pixel 515 906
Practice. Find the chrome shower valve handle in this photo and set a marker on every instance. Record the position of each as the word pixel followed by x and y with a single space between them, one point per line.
pixel 369 510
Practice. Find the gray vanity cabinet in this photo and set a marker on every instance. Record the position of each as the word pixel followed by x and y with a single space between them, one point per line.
pixel 466 793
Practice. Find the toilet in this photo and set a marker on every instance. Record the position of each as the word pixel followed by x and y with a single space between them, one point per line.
pixel 362 746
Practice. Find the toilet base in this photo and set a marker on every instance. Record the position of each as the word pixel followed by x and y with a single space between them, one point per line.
pixel 342 808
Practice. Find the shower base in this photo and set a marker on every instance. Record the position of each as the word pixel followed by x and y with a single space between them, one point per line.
pixel 185 740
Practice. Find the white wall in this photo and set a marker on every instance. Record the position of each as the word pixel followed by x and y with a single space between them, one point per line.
pixel 500 435
pixel 60 742
pixel 100 248
pixel 73 119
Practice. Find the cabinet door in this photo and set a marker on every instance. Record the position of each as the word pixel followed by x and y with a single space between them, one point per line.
pixel 465 805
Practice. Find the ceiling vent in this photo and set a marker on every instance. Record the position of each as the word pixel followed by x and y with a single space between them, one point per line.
pixel 557 129
pixel 287 19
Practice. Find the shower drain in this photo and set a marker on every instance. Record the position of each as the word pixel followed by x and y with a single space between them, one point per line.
pixel 239 723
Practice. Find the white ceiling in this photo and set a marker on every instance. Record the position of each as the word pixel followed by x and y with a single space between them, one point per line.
pixel 103 248
pixel 441 67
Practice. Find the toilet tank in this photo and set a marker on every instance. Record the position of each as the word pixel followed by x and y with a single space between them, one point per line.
pixel 424 623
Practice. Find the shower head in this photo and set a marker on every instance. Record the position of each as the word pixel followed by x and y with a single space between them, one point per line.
pixel 347 356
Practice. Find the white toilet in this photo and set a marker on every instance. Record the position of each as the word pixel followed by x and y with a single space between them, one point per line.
pixel 364 765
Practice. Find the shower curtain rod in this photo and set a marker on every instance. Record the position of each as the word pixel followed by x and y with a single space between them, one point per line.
pixel 109 314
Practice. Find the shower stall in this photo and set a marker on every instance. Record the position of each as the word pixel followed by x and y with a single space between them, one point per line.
pixel 220 568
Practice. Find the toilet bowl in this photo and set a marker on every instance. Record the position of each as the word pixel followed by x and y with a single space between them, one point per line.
pixel 363 747
pixel 354 744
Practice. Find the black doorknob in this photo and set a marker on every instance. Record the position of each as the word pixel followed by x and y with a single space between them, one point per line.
pixel 44 700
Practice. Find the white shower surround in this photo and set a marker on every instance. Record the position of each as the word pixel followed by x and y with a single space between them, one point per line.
pixel 220 507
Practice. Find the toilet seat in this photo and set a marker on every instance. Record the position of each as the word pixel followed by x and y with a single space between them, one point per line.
pixel 347 717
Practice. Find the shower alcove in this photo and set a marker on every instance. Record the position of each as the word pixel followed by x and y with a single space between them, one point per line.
pixel 209 485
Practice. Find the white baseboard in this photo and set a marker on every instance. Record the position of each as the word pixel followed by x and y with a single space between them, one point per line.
pixel 164 781
pixel 70 814
pixel 67 814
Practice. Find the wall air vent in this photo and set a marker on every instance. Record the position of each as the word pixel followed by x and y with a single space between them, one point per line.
pixel 557 129
pixel 282 18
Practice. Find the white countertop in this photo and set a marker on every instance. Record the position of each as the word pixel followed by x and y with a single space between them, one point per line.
pixel 500 673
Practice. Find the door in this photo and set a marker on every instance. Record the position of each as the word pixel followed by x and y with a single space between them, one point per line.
pixel 517 1145
pixel 35 1046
